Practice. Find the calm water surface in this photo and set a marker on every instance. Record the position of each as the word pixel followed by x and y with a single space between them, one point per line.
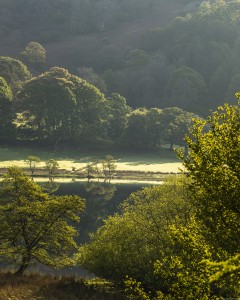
pixel 102 200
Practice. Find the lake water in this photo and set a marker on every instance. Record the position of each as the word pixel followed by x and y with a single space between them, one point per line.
pixel 102 198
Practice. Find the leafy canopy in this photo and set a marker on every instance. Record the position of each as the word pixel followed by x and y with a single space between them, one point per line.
pixel 35 227
pixel 214 167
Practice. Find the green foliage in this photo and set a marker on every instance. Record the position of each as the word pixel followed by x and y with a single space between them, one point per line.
pixel 6 109
pixel 130 243
pixel 213 165
pixel 34 225
pixel 140 68
pixel 134 290
pixel 136 130
pixel 175 124
pixel 32 162
pixel 14 72
pixel 226 274
pixel 90 76
pixel 46 102
pixel 109 166
pixel 136 59
pixel 154 126
pixel 185 85
pixel 118 115
pixel 90 169
pixel 59 106
pixel 150 128
pixel 181 271
pixel 5 91
pixel 233 88
pixel 91 110
pixel 35 55
pixel 52 166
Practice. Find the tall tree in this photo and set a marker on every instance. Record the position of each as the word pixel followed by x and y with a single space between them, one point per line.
pixel 6 110
pixel 14 72
pixel 47 103
pixel 129 243
pixel 154 126
pixel 117 115
pixel 91 110
pixel 61 106
pixel 213 165
pixel 35 227
pixel 175 124
pixel 34 55
pixel 187 90
pixel 135 134
pixel 32 162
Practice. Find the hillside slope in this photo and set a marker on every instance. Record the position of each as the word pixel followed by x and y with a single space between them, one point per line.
pixel 125 36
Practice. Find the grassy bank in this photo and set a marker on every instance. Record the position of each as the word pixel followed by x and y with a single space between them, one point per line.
pixel 36 287
pixel 162 161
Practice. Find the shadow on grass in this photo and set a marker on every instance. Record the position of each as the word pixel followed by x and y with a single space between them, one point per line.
pixel 161 156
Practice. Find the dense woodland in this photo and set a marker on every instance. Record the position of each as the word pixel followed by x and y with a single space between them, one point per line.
pixel 179 240
pixel 57 107
pixel 190 62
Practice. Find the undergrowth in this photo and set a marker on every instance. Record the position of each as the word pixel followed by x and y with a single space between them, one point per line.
pixel 42 287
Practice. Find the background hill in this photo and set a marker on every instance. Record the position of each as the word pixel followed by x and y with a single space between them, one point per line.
pixel 156 53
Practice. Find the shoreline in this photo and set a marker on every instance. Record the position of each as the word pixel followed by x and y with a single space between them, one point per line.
pixel 118 174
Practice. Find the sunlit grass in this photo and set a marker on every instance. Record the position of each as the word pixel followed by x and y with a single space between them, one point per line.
pixel 161 161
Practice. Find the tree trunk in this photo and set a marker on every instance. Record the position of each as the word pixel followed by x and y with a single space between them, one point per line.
pixel 23 266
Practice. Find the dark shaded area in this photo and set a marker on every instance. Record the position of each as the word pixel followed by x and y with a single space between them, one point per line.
pixel 102 199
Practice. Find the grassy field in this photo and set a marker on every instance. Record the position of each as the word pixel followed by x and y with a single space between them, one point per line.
pixel 161 161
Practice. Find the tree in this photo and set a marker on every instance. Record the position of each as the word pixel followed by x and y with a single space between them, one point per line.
pixel 117 115
pixel 47 102
pixel 233 88
pixel 52 166
pixel 91 110
pixel 60 106
pixel 109 166
pixel 6 109
pixel 175 124
pixel 136 59
pixel 32 162
pixel 154 126
pixel 187 90
pixel 14 72
pixel 135 134
pixel 90 76
pixel 130 242
pixel 213 166
pixel 35 55
pixel 90 169
pixel 35 227
pixel 180 268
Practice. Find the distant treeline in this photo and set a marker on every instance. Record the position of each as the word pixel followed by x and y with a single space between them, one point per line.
pixel 58 107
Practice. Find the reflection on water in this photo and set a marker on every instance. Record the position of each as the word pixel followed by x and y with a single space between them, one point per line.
pixel 102 199
pixel 104 189
pixel 50 186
